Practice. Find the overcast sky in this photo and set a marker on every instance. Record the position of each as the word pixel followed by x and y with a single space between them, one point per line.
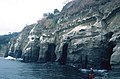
pixel 15 14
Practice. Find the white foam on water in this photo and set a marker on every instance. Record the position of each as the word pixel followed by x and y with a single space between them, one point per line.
pixel 10 58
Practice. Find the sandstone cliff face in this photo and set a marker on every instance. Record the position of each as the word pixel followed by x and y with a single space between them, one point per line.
pixel 85 34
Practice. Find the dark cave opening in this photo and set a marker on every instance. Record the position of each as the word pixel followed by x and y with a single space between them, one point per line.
pixel 50 53
pixel 105 63
pixel 63 58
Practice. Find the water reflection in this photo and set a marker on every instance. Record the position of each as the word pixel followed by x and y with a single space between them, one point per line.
pixel 18 70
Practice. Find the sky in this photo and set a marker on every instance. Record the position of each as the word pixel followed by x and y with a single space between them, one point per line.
pixel 16 14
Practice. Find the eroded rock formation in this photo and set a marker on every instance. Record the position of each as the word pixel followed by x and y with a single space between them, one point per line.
pixel 85 34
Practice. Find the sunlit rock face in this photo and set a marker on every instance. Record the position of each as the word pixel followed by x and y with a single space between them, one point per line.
pixel 16 45
pixel 11 48
pixel 84 34
pixel 31 49
pixel 41 46
pixel 115 58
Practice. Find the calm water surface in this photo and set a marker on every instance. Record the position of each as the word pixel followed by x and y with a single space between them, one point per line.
pixel 18 70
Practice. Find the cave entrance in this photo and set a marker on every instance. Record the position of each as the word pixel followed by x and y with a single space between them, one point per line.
pixel 63 58
pixel 50 53
pixel 105 64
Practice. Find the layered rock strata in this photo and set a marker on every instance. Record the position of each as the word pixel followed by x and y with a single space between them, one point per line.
pixel 85 34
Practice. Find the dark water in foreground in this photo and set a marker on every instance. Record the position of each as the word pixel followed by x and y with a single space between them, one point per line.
pixel 18 70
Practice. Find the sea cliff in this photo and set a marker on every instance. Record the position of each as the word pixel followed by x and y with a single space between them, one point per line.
pixel 85 33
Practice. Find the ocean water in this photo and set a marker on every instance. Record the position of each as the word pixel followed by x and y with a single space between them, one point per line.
pixel 10 69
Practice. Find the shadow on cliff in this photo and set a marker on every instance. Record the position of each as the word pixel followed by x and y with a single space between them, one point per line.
pixel 50 55
pixel 105 62
pixel 63 57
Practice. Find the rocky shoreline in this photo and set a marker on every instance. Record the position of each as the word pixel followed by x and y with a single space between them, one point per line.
pixel 85 34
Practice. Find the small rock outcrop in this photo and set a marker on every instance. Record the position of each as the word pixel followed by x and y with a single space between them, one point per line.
pixel 16 45
pixel 4 43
